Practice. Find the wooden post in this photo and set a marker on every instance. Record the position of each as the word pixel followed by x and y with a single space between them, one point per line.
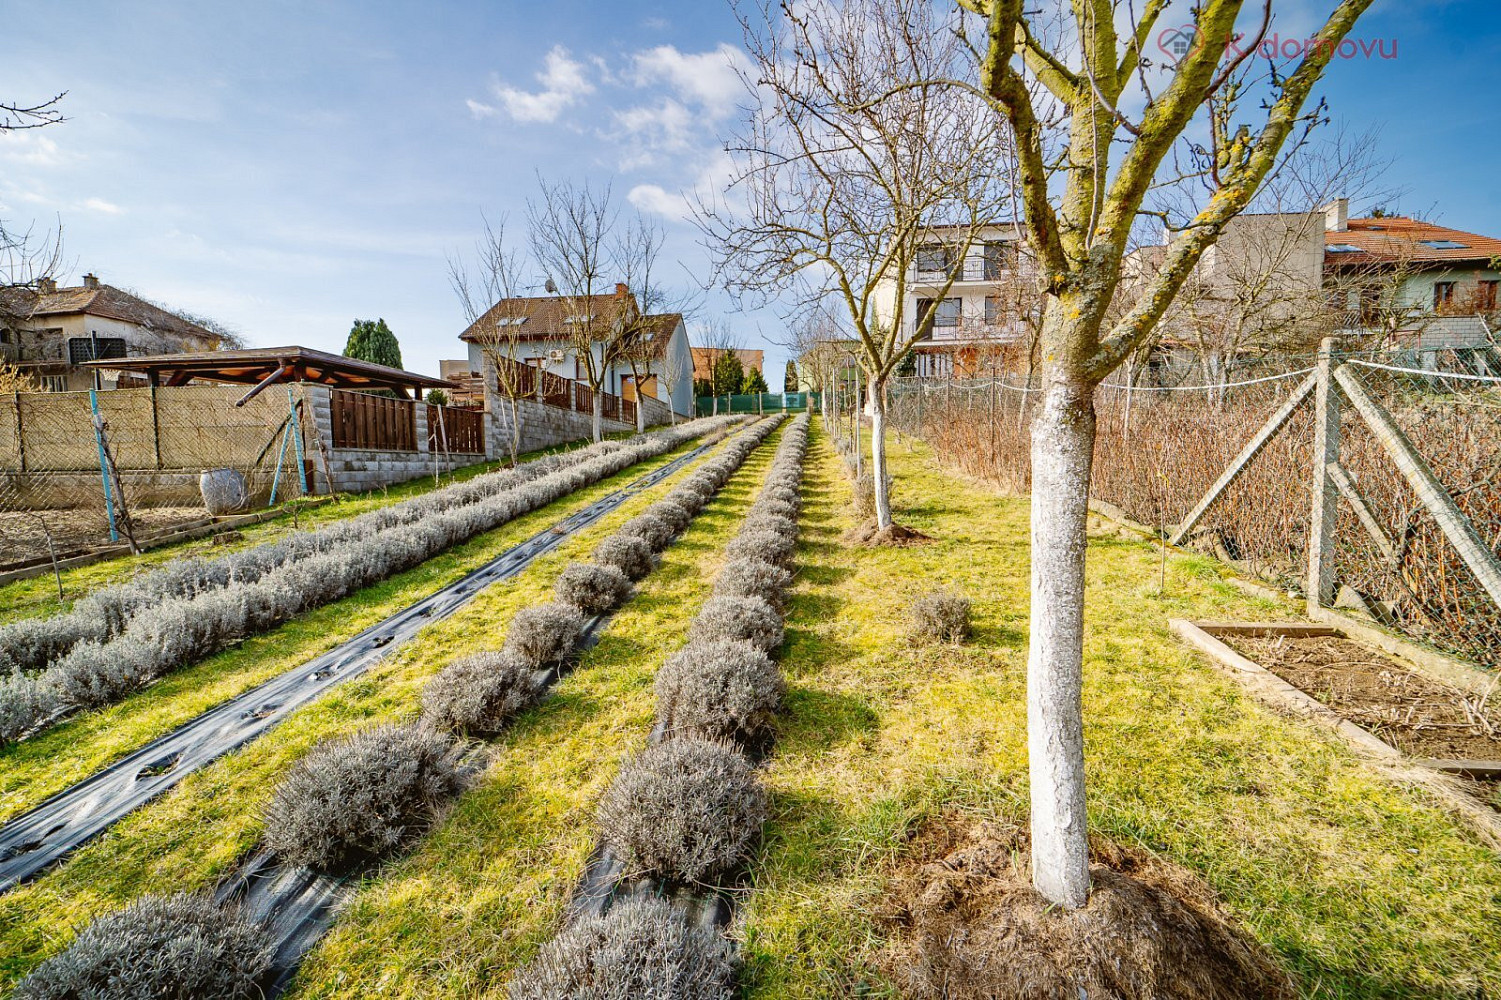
pixel 1325 493
pixel 156 428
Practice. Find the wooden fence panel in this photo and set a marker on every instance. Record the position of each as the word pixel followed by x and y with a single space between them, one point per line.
pixel 464 430
pixel 373 423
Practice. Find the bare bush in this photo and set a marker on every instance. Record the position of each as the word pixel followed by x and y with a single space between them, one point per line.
pixel 760 519
pixel 639 949
pixel 864 501
pixel 652 530
pixel 939 617
pixel 182 946
pixel 360 798
pixel 25 702
pixel 627 553
pixel 759 543
pixel 674 514
pixel 593 588
pixel 748 619
pixel 723 690
pixel 544 634
pixel 686 811
pixel 478 694
pixel 753 578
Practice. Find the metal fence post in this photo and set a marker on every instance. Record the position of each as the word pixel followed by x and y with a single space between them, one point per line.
pixel 1325 492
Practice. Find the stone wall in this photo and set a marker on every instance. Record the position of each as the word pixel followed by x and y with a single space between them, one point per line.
pixel 542 426
pixel 351 470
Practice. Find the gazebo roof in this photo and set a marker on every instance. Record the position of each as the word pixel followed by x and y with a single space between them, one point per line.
pixel 282 364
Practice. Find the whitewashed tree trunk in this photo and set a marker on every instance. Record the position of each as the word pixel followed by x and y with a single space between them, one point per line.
pixel 515 429
pixel 878 453
pixel 1062 451
pixel 640 411
pixel 599 416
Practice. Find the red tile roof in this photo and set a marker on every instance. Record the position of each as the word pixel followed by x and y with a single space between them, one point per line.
pixel 1402 240
pixel 113 303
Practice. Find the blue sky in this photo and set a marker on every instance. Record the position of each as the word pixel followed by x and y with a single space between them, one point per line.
pixel 287 167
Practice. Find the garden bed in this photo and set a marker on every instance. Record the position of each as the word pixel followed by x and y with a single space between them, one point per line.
pixel 1417 715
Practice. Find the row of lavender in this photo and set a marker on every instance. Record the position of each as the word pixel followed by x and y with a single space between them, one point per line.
pixel 123 638
pixel 684 816
pixel 357 800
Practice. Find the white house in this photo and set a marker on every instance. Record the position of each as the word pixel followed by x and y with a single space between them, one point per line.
pixel 540 331
pixel 986 309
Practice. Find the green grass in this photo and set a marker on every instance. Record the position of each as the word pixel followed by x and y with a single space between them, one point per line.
pixel 37 597
pixel 196 833
pixel 487 888
pixel 1358 885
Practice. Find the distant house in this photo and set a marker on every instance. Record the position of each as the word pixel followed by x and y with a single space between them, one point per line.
pixel 49 332
pixel 1414 284
pixel 705 357
pixel 539 331
pixel 983 314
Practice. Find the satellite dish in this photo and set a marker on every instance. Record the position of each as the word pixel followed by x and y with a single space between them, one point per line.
pixel 551 286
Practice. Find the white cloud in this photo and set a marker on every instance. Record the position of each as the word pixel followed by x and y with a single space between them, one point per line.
pixel 100 205
pixel 563 84
pixel 708 79
pixel 666 127
pixel 654 199
pixel 31 146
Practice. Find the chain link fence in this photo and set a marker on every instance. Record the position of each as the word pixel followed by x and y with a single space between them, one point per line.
pixel 1160 448
pixel 81 470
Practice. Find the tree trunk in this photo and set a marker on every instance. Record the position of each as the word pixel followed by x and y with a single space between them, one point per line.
pixel 878 452
pixel 599 416
pixel 1062 451
pixel 515 430
pixel 640 411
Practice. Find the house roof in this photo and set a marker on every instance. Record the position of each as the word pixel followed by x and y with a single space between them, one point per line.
pixel 1407 241
pixel 110 302
pixel 656 334
pixel 254 365
pixel 544 317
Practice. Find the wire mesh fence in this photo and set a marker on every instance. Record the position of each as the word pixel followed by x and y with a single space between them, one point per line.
pixel 80 469
pixel 1160 448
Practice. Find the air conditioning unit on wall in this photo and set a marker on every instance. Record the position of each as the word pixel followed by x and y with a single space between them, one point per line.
pixel 555 355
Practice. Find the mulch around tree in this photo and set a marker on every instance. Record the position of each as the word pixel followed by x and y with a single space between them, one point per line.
pixel 966 924
pixel 1417 715
pixel 893 535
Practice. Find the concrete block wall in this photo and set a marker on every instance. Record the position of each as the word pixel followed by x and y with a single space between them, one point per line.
pixel 542 426
pixel 350 470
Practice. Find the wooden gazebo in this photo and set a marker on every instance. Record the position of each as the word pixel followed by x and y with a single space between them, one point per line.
pixel 265 366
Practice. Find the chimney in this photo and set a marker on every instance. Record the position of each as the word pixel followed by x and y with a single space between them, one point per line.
pixel 46 284
pixel 621 290
pixel 90 281
pixel 1337 216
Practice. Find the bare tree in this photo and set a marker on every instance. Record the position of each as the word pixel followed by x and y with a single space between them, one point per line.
pixel 839 183
pixel 1060 76
pixel 645 345
pixel 16 116
pixel 493 303
pixel 672 372
pixel 574 236
pixel 29 263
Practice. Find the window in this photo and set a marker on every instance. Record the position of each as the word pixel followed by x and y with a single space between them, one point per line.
pixel 934 258
pixel 948 313
pixel 53 383
pixel 1444 244
pixel 1370 305
pixel 81 349
pixel 995 310
pixel 1443 293
pixel 4 335
pixel 1342 248
pixel 999 255
pixel 1485 295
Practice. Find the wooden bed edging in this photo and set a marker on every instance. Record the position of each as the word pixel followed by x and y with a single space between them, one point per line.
pixel 1437 782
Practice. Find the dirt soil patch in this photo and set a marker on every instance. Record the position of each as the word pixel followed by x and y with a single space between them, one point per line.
pixel 966 924
pixel 1417 715
pixel 893 536
pixel 23 537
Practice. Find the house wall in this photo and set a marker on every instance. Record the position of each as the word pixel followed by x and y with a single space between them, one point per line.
pixel 971 288
pixel 38 341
